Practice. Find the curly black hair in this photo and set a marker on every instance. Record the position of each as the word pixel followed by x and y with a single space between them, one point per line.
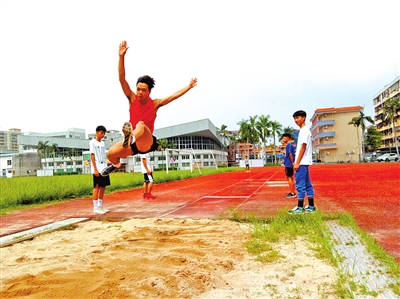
pixel 147 80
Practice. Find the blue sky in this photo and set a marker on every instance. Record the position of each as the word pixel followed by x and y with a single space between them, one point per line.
pixel 58 59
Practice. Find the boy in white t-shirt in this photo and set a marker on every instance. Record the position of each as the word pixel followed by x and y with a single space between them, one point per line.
pixel 147 171
pixel 301 165
pixel 97 151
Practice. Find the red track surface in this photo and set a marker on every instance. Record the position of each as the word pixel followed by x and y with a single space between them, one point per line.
pixel 370 192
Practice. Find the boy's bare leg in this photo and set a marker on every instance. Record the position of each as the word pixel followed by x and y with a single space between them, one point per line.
pixel 116 152
pixel 291 185
pixel 143 138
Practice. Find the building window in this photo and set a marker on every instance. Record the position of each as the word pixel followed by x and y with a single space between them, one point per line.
pixel 8 162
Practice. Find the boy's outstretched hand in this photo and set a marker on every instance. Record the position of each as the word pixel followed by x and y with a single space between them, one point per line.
pixel 123 48
pixel 193 82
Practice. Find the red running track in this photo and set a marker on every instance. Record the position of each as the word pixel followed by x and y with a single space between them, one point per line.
pixel 370 192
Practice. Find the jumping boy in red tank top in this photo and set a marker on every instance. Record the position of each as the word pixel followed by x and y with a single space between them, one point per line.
pixel 143 112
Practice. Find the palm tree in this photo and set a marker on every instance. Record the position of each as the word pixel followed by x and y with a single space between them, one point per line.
pixel 54 149
pixel 359 121
pixel 288 130
pixel 223 132
pixel 276 129
pixel 234 137
pixel 391 111
pixel 244 132
pixel 43 148
pixel 263 127
pixel 162 145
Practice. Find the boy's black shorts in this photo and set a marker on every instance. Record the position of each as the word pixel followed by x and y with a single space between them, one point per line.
pixel 289 171
pixel 148 178
pixel 100 180
pixel 153 148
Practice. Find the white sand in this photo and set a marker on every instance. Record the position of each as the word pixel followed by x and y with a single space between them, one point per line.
pixel 159 258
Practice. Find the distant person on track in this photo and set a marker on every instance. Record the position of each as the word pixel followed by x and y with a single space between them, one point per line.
pixel 97 150
pixel 147 171
pixel 288 162
pixel 301 165
pixel 143 111
pixel 246 162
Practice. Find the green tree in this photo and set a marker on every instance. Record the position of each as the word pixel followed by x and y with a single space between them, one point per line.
pixel 162 144
pixel 359 122
pixel 223 133
pixel 276 129
pixel 234 138
pixel 373 139
pixel 244 132
pixel 288 130
pixel 54 149
pixel 390 115
pixel 43 149
pixel 263 126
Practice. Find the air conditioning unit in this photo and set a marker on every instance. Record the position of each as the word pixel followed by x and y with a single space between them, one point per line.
pixel 326 138
pixel 325 115
pixel 327 153
pixel 325 127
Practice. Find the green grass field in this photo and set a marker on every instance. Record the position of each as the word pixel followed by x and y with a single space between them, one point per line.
pixel 23 192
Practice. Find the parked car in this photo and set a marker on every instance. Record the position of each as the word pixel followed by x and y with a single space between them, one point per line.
pixel 370 157
pixel 388 157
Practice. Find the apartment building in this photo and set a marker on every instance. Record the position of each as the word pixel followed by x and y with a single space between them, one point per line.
pixel 390 91
pixel 9 141
pixel 333 139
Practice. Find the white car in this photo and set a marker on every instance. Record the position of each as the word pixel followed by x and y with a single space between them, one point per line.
pixel 388 157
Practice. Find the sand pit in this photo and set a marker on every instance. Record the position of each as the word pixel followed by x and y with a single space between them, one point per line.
pixel 159 258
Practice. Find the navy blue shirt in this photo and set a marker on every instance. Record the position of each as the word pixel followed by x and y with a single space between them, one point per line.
pixel 290 149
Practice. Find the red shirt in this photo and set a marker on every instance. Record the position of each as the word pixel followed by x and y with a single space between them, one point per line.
pixel 143 112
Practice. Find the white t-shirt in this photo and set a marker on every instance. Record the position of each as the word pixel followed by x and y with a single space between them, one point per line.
pixel 305 137
pixel 99 150
pixel 147 158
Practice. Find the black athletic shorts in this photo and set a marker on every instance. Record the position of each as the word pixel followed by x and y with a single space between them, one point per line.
pixel 148 178
pixel 153 148
pixel 289 171
pixel 100 180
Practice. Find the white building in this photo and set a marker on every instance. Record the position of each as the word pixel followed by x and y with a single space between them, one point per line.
pixel 194 144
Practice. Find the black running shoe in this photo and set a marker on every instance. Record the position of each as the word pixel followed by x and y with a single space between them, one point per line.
pixel 127 130
pixel 106 171
pixel 290 195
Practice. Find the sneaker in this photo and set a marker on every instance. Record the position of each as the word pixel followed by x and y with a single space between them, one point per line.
pixel 103 209
pixel 309 209
pixel 150 196
pixel 144 195
pixel 296 210
pixel 290 195
pixel 106 171
pixel 127 130
pixel 97 210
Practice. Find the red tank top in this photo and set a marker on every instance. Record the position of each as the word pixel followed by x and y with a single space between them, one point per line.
pixel 143 112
